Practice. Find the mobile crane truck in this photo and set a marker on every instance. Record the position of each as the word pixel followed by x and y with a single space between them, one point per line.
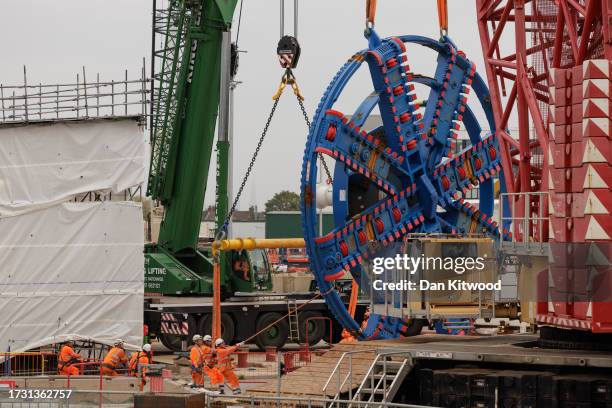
pixel 192 82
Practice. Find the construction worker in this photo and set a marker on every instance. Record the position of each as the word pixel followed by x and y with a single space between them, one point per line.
pixel 241 266
pixel 225 365
pixel 196 357
pixel 67 358
pixel 210 361
pixel 115 359
pixel 141 357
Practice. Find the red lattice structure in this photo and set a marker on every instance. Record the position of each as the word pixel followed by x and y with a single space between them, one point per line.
pixel 522 41
pixel 548 61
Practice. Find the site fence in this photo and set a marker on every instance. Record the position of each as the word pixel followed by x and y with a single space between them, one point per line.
pixel 246 364
pixel 86 98
pixel 27 363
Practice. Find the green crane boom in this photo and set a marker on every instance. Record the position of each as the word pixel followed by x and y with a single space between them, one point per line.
pixel 183 134
pixel 193 69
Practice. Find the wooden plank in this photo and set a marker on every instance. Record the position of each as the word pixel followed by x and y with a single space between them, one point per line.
pixel 310 379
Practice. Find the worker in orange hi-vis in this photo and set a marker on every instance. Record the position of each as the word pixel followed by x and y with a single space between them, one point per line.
pixel 115 359
pixel 138 359
pixel 196 357
pixel 225 365
pixel 211 362
pixel 67 358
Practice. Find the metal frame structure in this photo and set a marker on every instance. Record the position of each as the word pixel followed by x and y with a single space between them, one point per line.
pixel 81 100
pixel 542 34
pixel 389 182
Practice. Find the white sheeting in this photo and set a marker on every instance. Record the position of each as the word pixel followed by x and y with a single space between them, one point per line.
pixel 43 164
pixel 72 270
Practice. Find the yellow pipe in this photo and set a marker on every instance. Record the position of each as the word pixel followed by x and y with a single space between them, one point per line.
pixel 257 243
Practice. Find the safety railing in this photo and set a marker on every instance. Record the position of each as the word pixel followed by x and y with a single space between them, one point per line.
pixel 26 363
pixel 525 215
pixel 371 375
pixel 83 99
pixel 259 401
pixel 337 372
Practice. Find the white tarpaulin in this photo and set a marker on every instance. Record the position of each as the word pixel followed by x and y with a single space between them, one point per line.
pixel 43 164
pixel 71 270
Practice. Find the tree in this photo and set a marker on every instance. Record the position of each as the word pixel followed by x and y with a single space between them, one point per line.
pixel 283 201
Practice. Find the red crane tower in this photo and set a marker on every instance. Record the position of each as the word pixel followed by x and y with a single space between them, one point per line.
pixel 549 62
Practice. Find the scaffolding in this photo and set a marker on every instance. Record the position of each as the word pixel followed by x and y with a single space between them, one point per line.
pixel 81 100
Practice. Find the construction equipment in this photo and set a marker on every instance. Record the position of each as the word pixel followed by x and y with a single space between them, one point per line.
pixel 194 72
pixel 392 180
pixel 555 71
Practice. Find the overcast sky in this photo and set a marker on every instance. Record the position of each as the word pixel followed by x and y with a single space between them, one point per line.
pixel 55 38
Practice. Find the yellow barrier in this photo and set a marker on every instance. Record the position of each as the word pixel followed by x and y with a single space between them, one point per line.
pixel 26 363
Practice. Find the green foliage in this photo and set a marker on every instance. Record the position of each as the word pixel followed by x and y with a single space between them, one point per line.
pixel 284 201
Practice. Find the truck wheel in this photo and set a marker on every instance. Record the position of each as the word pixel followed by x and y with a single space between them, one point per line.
pixel 315 329
pixel 228 329
pixel 171 341
pixel 174 341
pixel 274 336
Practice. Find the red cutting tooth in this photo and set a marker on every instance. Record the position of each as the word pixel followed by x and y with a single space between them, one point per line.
pixel 331 133
pixel 492 152
pixel 343 248
pixel 380 225
pixel 362 237
pixel 445 183
pixel 461 172
pixel 397 214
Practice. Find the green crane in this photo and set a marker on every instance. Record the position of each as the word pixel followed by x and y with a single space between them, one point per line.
pixel 193 69
pixel 193 78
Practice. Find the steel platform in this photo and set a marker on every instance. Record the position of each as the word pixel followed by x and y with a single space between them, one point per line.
pixel 511 349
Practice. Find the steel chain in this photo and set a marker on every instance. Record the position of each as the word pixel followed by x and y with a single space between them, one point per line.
pixel 321 158
pixel 248 172
pixel 222 231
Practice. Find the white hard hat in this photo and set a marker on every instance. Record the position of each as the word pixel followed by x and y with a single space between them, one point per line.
pixel 196 337
pixel 207 338
pixel 146 347
pixel 119 342
pixel 219 342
